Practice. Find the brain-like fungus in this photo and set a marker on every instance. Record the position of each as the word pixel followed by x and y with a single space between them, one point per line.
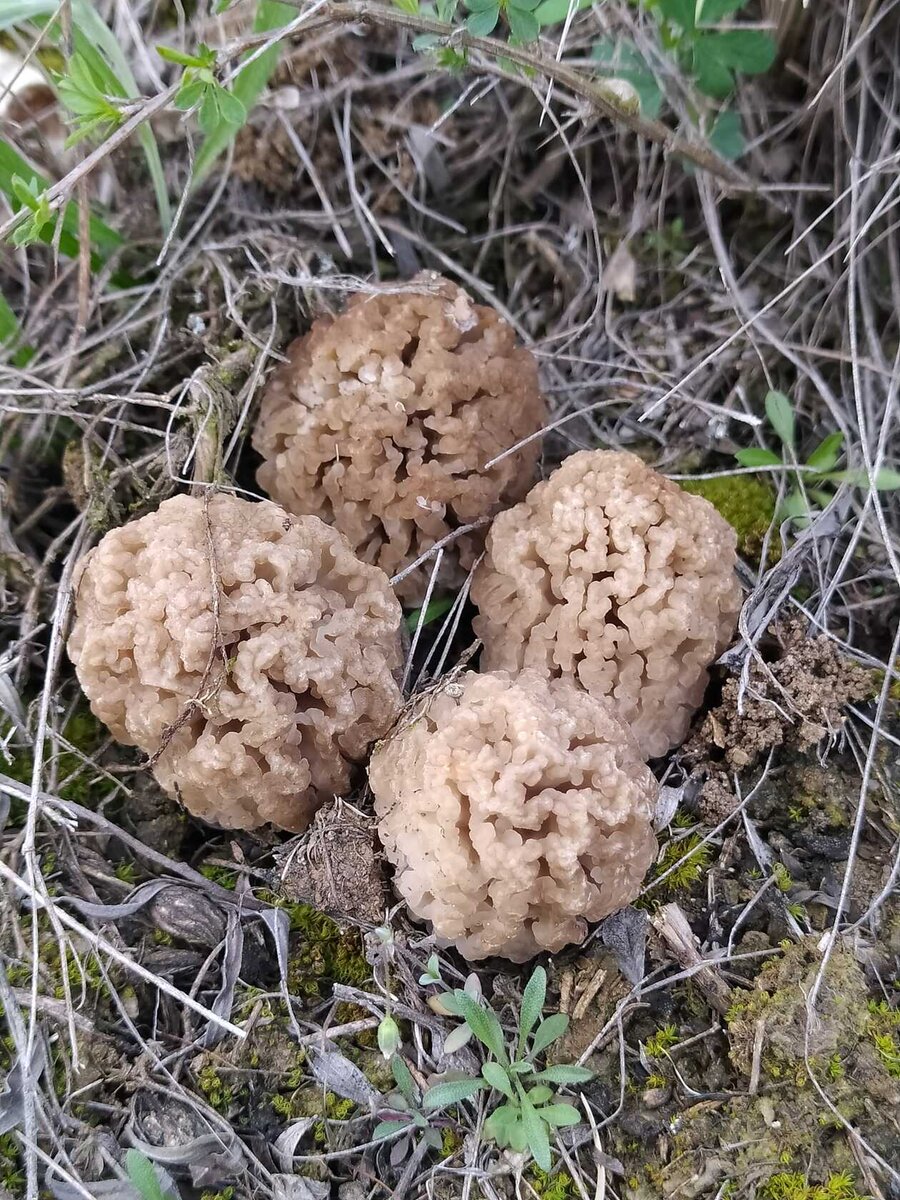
pixel 384 417
pixel 249 652
pixel 613 576
pixel 514 810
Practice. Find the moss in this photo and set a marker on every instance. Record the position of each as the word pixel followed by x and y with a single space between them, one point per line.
pixel 551 1185
pixel 748 505
pixel 310 1101
pixel 794 1185
pixel 658 1043
pixel 451 1142
pixel 220 875
pixel 219 1094
pixel 82 971
pixel 225 1194
pixel 77 781
pixel 322 953
pixel 690 856
pixel 12 1173
pixel 883 1027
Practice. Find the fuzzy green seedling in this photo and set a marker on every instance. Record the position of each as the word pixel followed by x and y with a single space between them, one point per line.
pixel 528 1111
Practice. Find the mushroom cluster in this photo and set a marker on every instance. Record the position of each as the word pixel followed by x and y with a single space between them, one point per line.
pixel 253 649
pixel 383 419
pixel 250 653
pixel 518 806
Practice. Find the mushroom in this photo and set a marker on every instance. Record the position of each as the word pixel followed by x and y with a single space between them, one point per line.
pixel 612 576
pixel 514 809
pixel 383 418
pixel 250 653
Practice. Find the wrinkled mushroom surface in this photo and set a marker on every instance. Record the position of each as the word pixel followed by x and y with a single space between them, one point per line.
pixel 249 650
pixel 514 810
pixel 382 420
pixel 613 576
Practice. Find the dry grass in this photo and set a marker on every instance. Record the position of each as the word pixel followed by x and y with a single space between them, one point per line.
pixel 372 166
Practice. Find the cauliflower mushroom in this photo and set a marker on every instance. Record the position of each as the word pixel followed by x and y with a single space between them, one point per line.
pixel 514 809
pixel 613 576
pixel 383 418
pixel 250 653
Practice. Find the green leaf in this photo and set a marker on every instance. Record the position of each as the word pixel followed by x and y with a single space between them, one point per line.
pixel 886 480
pixel 715 10
pixel 753 456
pixel 143 1176
pixel 780 412
pixel 532 1005
pixel 209 114
pixel 483 1023
pixel 230 107
pixel 436 608
pixel 481 24
pixel 539 1094
pixel 407 6
pixel 481 5
pixel 564 1074
pixel 548 1031
pixel 457 1038
pixel 680 12
pixel 386 1128
pixel 727 135
pixel 523 25
pixel 794 507
pixel 826 454
pixel 206 58
pixel 189 94
pixel 498 1079
pixel 749 51
pixel 559 1115
pixel 554 12
pixel 713 76
pixel 620 60
pixel 448 1001
pixel 248 84
pixel 504 1126
pixel 536 1136
pixel 444 1094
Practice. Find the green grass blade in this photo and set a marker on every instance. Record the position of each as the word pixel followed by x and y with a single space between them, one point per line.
pixel 248 85
pixel 100 36
pixel 103 238
pixel 10 330
pixel 9 323
pixel 96 30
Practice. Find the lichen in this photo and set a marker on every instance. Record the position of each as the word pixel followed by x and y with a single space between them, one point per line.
pixel 748 505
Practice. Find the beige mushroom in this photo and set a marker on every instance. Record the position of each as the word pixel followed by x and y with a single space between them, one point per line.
pixel 612 576
pixel 383 419
pixel 249 652
pixel 514 811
